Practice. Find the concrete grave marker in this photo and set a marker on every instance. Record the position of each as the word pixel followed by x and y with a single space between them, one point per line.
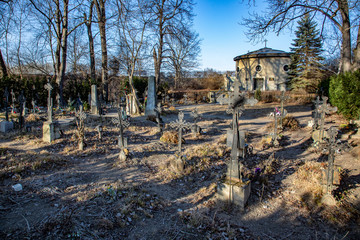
pixel 151 98
pixel 94 105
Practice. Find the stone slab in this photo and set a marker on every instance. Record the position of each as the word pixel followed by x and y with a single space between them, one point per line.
pixel 151 98
pixel 236 194
pixel 6 126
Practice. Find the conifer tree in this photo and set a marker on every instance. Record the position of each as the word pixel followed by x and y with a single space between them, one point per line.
pixel 305 69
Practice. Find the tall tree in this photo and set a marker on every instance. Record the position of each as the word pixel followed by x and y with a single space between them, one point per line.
pixel 132 25
pixel 170 17
pixel 88 23
pixel 56 14
pixel 343 15
pixel 100 6
pixel 305 71
pixel 184 52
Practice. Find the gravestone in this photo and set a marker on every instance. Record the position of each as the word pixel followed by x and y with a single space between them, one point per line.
pixel 94 100
pixel 222 99
pixel 275 114
pixel 179 124
pixel 130 104
pixel 212 97
pixel 316 113
pixel 151 98
pixel 49 133
pixel 80 123
pixel 195 128
pixel 235 189
pixel 6 125
pixel 99 130
pixel 33 103
pixel 122 141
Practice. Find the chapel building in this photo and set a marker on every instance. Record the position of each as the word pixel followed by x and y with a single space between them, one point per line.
pixel 264 69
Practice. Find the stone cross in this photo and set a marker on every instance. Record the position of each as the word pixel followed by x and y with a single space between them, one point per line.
pixel 274 135
pixel 158 111
pixel 48 87
pixel 331 145
pixel 6 98
pixel 12 100
pixel 282 98
pixel 180 124
pixel 324 109
pixel 121 123
pixel 22 101
pixel 80 122
pixel 317 103
pixel 195 114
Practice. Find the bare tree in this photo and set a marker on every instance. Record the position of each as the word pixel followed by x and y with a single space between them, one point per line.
pixel 343 15
pixel 168 17
pixel 88 23
pixel 132 25
pixel 101 20
pixel 56 14
pixel 184 53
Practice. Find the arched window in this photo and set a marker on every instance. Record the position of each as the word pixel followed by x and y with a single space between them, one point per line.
pixel 286 68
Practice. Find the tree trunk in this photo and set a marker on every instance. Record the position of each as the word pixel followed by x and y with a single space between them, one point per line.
pixel 356 62
pixel 137 103
pixel 346 37
pixel 91 43
pixel 100 9
pixel 3 70
pixel 64 37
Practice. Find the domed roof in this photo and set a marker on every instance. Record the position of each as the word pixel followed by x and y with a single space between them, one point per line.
pixel 263 53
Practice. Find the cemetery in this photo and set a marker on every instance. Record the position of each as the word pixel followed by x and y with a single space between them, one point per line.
pixel 179 120
pixel 242 169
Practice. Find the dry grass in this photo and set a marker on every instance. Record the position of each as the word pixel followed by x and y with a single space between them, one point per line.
pixel 33 117
pixel 170 137
pixel 290 123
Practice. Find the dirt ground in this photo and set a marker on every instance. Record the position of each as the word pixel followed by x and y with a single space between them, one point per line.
pixel 72 194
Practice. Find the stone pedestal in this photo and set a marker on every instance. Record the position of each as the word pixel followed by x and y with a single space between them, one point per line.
pixel 49 132
pixel 235 193
pixel 94 100
pixel 6 126
pixel 178 164
pixel 151 98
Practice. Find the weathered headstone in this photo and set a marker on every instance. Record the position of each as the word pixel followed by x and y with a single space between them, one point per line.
pixel 80 123
pixel 180 124
pixel 6 98
pixel 195 128
pixel 316 114
pixel 94 105
pixel 122 141
pixel 275 114
pixel 151 98
pixel 235 189
pixel 49 127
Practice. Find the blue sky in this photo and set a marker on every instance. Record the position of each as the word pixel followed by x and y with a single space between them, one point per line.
pixel 223 38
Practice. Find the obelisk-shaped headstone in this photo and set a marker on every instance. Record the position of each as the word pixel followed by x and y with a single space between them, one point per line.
pixel 151 98
pixel 94 100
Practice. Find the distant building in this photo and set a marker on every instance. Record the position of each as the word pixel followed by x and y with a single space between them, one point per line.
pixel 264 69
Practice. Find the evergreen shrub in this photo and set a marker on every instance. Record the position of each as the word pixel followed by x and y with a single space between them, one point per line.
pixel 344 93
pixel 257 95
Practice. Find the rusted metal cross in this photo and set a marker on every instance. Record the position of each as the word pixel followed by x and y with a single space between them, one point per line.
pixel 80 122
pixel 180 124
pixel 282 98
pixel 324 109
pixel 121 123
pixel 331 145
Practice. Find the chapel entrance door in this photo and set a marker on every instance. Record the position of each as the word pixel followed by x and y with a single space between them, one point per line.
pixel 258 83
